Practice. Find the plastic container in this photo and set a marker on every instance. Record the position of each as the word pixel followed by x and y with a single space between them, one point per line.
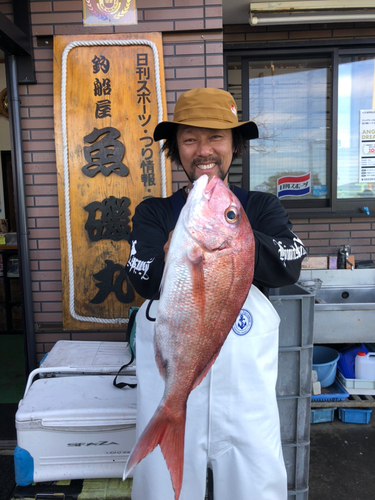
pixel 355 415
pixel 11 238
pixel 74 428
pixel 325 364
pixel 365 366
pixel 311 285
pixel 334 392
pixel 294 419
pixel 320 415
pixel 297 458
pixel 89 357
pixel 295 306
pixel 13 267
pixel 354 386
pixel 347 359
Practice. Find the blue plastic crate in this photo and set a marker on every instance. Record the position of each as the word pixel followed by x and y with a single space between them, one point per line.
pixel 320 415
pixel 334 392
pixel 355 415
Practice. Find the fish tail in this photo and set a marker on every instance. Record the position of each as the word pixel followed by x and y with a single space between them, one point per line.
pixel 168 431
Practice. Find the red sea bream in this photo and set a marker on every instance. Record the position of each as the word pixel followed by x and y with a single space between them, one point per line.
pixel 207 277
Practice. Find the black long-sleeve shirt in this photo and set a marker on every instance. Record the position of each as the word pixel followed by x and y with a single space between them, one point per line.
pixel 278 251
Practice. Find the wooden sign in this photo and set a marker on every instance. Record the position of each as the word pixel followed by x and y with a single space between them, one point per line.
pixel 108 97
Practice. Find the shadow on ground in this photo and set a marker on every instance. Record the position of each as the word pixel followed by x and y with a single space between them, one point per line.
pixel 342 458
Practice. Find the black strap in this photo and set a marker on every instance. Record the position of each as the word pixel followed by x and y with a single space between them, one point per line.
pixel 121 385
pixel 156 297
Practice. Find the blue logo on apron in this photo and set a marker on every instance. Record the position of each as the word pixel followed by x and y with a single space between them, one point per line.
pixel 243 323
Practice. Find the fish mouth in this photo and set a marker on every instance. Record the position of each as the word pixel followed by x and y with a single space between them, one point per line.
pixel 210 187
pixel 204 186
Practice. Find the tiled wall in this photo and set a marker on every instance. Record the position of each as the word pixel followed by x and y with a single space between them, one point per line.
pixel 326 236
pixel 193 47
pixel 322 236
pixel 192 58
pixel 297 33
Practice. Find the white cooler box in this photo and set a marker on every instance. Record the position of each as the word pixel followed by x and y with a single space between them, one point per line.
pixel 74 428
pixel 93 357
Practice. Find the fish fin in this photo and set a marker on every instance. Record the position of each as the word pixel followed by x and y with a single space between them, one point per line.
pixel 168 431
pixel 195 255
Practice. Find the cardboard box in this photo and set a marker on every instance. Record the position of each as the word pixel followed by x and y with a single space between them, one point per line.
pixel 315 263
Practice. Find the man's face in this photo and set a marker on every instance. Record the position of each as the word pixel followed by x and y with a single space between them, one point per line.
pixel 205 151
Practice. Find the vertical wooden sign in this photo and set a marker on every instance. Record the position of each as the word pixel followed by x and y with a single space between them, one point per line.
pixel 109 95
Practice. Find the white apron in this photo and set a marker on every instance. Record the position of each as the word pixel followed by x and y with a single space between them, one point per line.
pixel 232 422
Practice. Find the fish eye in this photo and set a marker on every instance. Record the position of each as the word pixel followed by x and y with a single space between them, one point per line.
pixel 232 215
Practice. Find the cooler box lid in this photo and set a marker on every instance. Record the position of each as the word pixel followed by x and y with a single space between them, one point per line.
pixel 105 356
pixel 77 403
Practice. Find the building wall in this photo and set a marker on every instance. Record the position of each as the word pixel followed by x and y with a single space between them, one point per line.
pixel 322 236
pixel 193 57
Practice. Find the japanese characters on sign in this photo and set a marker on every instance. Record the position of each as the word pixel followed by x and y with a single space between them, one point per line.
pixel 294 185
pixel 108 96
pixel 144 100
pixel 105 155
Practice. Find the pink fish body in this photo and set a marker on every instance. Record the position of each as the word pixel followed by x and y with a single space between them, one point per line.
pixel 207 277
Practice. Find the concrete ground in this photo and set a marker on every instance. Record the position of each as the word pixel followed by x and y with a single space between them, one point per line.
pixel 342 460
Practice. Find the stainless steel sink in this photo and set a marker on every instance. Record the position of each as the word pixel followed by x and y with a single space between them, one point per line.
pixel 346 296
pixel 344 314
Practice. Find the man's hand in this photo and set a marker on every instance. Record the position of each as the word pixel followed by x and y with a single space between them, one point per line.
pixel 166 246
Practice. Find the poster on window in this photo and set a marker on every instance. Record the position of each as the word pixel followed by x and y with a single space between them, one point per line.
pixel 292 185
pixel 367 145
pixel 108 95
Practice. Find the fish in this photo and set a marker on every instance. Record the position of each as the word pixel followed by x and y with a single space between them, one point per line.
pixel 207 276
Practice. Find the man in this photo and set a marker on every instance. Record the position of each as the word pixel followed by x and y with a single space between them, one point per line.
pixel 232 418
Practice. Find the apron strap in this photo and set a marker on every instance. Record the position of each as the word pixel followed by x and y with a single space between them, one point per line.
pixel 121 385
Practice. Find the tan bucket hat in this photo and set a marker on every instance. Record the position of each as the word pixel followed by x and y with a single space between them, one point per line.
pixel 208 108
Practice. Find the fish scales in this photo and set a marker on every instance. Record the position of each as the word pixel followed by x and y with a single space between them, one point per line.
pixel 207 277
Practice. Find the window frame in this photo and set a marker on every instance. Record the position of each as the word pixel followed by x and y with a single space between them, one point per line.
pixel 334 207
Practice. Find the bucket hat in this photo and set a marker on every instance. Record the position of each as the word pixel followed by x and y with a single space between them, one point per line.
pixel 208 108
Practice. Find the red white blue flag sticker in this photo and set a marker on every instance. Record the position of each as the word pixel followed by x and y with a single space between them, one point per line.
pixel 294 185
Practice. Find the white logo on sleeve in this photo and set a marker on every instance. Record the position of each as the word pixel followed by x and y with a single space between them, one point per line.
pixel 138 266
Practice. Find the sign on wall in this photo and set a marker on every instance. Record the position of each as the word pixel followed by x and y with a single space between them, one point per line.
pixel 367 145
pixel 109 12
pixel 108 96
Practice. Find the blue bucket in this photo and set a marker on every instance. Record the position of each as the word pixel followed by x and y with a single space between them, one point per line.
pixel 325 364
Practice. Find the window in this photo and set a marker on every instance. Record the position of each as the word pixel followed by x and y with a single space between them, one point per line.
pixel 315 110
pixel 356 127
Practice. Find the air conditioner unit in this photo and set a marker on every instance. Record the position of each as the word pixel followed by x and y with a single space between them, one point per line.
pixel 312 11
